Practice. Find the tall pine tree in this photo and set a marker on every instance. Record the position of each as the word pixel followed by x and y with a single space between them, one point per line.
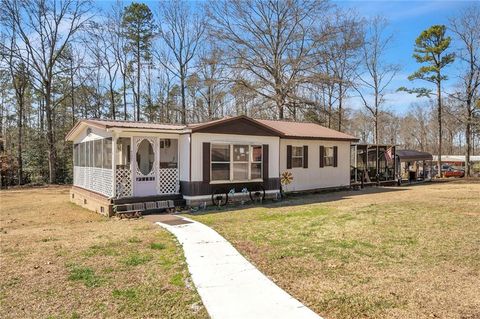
pixel 430 50
pixel 139 29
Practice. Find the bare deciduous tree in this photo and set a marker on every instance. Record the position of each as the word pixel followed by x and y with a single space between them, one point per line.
pixel 44 30
pixel 101 44
pixel 182 32
pixel 466 28
pixel 270 44
pixel 372 84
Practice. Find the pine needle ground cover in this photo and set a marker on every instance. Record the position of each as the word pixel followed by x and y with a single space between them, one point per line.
pixel 61 261
pixel 408 252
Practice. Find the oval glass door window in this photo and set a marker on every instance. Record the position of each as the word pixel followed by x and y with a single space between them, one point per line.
pixel 145 157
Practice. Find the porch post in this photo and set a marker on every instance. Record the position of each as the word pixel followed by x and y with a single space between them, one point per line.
pixel 356 162
pixel 114 164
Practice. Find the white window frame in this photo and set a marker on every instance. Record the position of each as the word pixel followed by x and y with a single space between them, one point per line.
pixel 220 162
pixel 293 156
pixel 325 164
pixel 231 162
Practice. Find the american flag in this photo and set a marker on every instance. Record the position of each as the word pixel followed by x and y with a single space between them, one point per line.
pixel 388 154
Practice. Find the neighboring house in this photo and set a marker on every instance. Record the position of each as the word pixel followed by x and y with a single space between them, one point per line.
pixel 117 162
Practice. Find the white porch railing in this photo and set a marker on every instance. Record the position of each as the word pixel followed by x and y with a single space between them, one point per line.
pixel 168 181
pixel 94 178
pixel 123 182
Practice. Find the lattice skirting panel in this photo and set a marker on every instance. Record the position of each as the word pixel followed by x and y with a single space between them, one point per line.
pixel 168 181
pixel 123 182
pixel 93 178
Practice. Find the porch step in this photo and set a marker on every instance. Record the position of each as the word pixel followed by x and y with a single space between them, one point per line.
pixel 147 204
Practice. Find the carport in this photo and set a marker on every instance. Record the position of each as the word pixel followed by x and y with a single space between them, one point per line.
pixel 413 165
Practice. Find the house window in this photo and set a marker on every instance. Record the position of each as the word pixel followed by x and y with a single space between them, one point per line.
pixel 220 159
pixel 256 162
pixel 239 162
pixel 328 156
pixel 297 156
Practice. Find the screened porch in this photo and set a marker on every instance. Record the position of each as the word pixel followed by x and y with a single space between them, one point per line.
pixel 139 166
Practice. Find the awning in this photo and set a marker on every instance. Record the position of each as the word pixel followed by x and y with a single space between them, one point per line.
pixel 412 155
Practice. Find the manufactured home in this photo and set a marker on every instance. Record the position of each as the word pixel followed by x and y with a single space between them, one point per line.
pixel 124 162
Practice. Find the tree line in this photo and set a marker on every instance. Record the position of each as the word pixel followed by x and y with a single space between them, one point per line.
pixel 184 62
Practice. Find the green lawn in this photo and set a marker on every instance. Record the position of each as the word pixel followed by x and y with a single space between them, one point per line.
pixel 61 261
pixel 410 252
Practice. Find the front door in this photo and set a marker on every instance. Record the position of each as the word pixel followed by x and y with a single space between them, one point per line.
pixel 145 162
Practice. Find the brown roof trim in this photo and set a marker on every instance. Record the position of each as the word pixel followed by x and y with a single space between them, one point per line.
pixel 202 126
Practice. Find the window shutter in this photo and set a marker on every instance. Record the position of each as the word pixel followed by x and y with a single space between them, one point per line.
pixel 265 162
pixel 206 162
pixel 289 156
pixel 305 156
pixel 335 156
pixel 322 155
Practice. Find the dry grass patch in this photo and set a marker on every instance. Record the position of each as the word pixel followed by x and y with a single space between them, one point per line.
pixel 410 252
pixel 61 261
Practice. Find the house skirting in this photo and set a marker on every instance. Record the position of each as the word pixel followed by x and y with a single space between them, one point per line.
pixel 91 200
pixel 238 197
pixel 190 189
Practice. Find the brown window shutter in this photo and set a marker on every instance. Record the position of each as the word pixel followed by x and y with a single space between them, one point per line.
pixel 289 156
pixel 322 156
pixel 206 162
pixel 335 156
pixel 265 162
pixel 305 156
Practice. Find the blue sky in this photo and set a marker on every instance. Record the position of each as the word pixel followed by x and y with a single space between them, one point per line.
pixel 406 20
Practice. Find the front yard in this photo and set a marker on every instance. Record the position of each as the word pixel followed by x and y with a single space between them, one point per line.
pixel 61 261
pixel 409 252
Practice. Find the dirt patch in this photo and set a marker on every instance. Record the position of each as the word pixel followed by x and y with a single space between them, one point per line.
pixel 59 260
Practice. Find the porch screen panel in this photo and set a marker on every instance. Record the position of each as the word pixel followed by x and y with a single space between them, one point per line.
pixel 107 153
pixel 81 155
pixel 88 152
pixel 75 155
pixel 97 153
pixel 92 154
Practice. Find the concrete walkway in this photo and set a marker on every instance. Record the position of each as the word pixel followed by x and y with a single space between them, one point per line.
pixel 229 285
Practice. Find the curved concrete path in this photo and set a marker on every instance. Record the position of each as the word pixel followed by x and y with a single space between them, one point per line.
pixel 229 285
